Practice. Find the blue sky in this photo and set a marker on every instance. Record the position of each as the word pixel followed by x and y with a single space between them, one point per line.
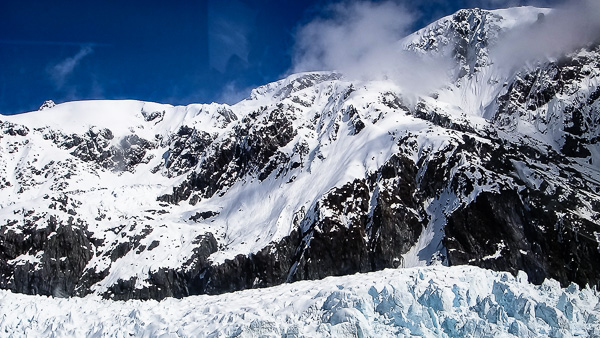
pixel 176 52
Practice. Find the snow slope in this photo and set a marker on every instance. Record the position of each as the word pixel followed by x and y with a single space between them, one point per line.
pixel 424 302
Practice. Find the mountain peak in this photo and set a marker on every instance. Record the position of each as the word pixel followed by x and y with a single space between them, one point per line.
pixel 47 105
pixel 283 88
pixel 467 34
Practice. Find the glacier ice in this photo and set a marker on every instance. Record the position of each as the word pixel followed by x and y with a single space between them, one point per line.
pixel 425 301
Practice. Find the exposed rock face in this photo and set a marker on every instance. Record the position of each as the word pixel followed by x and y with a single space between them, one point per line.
pixel 314 176
pixel 47 105
pixel 169 282
pixel 251 147
pixel 556 98
pixel 62 252
pixel 500 232
pixel 330 241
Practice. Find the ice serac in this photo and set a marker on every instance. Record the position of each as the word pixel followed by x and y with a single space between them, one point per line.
pixel 424 302
pixel 314 175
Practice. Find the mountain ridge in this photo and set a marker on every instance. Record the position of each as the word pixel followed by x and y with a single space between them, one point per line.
pixel 312 176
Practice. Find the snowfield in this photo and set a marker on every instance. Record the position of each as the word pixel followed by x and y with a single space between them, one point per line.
pixel 436 301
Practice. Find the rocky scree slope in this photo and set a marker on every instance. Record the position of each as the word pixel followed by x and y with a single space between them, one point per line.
pixel 312 176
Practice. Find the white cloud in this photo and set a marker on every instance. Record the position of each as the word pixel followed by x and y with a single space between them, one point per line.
pixel 493 3
pixel 362 41
pixel 232 93
pixel 229 25
pixel 573 25
pixel 63 69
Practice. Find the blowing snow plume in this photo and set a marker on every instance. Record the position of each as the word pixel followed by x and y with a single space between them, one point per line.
pixel 573 25
pixel 362 41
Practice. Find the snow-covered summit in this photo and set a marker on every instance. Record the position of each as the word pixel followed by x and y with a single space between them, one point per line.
pixel 47 105
pixel 283 88
pixel 121 116
pixel 468 34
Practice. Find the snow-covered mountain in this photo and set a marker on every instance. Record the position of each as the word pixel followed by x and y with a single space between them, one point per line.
pixel 312 176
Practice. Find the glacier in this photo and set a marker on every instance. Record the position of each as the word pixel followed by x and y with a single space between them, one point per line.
pixel 433 301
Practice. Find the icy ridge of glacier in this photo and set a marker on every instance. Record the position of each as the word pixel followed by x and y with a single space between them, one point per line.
pixel 434 301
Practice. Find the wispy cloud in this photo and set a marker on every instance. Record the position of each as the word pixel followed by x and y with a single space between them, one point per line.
pixel 362 40
pixel 63 69
pixel 232 93
pixel 349 34
pixel 493 3
pixel 229 25
pixel 572 25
